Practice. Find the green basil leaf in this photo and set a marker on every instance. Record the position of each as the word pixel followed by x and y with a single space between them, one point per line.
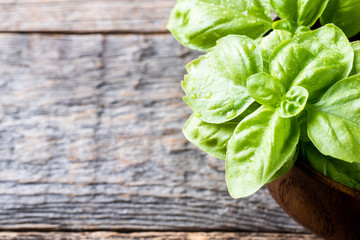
pixel 300 12
pixel 302 120
pixel 301 30
pixel 334 122
pixel 294 102
pixel 313 60
pixel 344 14
pixel 209 137
pixel 342 172
pixel 286 167
pixel 213 138
pixel 286 9
pixel 356 65
pixel 198 24
pixel 216 84
pixel 270 42
pixel 265 89
pixel 309 11
pixel 262 143
pixel 284 25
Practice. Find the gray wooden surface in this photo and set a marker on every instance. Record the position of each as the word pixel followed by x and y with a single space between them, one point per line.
pixel 153 236
pixel 90 127
pixel 132 16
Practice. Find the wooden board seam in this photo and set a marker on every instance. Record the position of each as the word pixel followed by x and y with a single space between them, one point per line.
pixel 104 32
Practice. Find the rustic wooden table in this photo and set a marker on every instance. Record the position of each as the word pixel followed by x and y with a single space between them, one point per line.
pixel 90 126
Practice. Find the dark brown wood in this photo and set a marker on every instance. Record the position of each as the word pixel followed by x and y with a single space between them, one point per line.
pixel 90 129
pixel 154 236
pixel 323 206
pixel 85 16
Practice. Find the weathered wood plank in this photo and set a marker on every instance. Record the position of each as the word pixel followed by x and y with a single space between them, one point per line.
pixel 154 236
pixel 84 15
pixel 90 138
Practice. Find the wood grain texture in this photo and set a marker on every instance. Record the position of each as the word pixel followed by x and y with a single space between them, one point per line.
pixel 85 16
pixel 90 138
pixel 154 236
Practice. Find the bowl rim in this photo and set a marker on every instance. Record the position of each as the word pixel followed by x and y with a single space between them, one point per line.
pixel 326 180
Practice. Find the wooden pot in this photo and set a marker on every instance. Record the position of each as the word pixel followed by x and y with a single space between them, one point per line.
pixel 323 206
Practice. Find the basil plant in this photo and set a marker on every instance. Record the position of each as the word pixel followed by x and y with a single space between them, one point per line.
pixel 259 101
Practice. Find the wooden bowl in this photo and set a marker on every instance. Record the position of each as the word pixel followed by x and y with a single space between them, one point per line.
pixel 323 206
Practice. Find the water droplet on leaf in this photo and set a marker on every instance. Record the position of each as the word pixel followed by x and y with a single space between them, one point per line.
pixel 208 95
pixel 231 114
pixel 193 96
